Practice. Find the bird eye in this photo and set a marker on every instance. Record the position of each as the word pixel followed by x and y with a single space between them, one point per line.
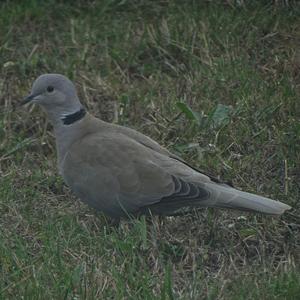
pixel 50 89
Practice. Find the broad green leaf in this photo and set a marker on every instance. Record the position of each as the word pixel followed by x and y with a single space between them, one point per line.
pixel 189 113
pixel 246 232
pixel 220 116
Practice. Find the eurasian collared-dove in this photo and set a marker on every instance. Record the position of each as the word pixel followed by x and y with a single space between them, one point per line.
pixel 122 172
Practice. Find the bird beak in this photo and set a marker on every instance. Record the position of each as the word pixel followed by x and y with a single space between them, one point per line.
pixel 28 99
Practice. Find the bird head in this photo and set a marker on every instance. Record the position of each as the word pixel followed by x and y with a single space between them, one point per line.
pixel 56 94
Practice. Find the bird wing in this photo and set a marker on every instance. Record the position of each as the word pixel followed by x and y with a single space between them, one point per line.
pixel 150 143
pixel 118 175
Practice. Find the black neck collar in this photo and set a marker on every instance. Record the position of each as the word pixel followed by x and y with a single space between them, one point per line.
pixel 72 118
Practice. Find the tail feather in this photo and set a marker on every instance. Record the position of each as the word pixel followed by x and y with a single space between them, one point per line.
pixel 228 197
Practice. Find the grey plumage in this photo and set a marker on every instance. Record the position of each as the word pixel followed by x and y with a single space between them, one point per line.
pixel 122 172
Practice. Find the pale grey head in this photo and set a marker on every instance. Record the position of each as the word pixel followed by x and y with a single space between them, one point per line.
pixel 56 94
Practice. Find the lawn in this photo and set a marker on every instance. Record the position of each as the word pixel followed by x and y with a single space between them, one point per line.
pixel 216 82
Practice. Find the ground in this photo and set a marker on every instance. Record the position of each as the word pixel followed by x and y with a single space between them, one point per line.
pixel 217 82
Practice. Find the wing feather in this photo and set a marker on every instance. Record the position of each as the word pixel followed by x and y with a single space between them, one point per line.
pixel 116 173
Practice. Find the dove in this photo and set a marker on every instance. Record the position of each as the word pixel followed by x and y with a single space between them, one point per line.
pixel 122 172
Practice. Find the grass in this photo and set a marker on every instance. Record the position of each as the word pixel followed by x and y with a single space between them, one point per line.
pixel 217 82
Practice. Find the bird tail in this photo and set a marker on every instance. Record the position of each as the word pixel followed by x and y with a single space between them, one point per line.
pixel 223 196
